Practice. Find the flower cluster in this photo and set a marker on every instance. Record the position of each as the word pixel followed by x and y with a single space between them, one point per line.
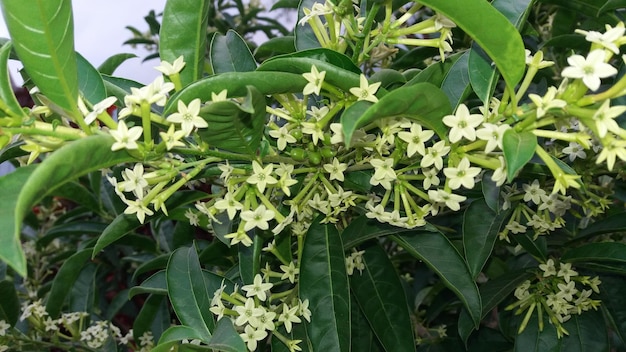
pixel 559 291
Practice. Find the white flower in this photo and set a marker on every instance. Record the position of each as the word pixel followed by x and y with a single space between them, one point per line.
pixel 607 39
pixel 257 218
pixel 98 109
pixel 192 217
pixel 317 9
pixel 434 155
pixel 137 207
pixel 258 288
pixel 365 91
pixel 288 316
pixel 589 69
pixel 188 117
pixel 228 204
pixel 283 137
pixel 221 96
pixel 462 124
pixel 605 118
pixel 612 148
pixel 547 102
pixel 493 135
pixel 574 150
pixel 248 313
pixel 314 129
pixel 134 180
pixel 239 236
pixel 262 176
pixel 315 79
pixel 415 139
pixel 451 200
pixel 548 268
pixel 4 326
pixel 172 138
pixel 290 272
pixel 125 138
pixel 461 175
pixel 336 170
pixel 533 192
pixel 169 69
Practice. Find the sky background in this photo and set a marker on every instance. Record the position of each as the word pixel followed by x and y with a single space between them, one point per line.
pixel 99 31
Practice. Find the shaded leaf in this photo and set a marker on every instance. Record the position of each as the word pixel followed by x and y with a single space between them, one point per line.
pixel 230 53
pixel 226 338
pixel 10 303
pixel 90 83
pixel 8 101
pixel 156 284
pixel 601 251
pixel 380 295
pixel 154 316
pixel 456 83
pixel 442 257
pixel 324 282
pixel 305 38
pixel 362 229
pixel 64 281
pixel 518 148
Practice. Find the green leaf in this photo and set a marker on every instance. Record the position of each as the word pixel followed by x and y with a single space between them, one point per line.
pixel 601 251
pixel 154 316
pixel 226 338
pixel 533 340
pixel 250 260
pixel 177 334
pixel 436 251
pixel 183 32
pixel 11 250
pixel 613 307
pixel 456 83
pixel 379 293
pixel 500 39
pixel 423 103
pixel 305 38
pixel 186 287
pixel 361 335
pixel 480 236
pixel 156 263
pixel 518 148
pixel 64 281
pixel 235 127
pixel 324 282
pixel 275 46
pixel 538 247
pixel 230 53
pixel 587 332
pixel 610 224
pixel 236 83
pixel 122 225
pixel 43 33
pixel 82 294
pixel 156 284
pixel 8 101
pixel 10 303
pixel 435 73
pixel 90 83
pixel 113 62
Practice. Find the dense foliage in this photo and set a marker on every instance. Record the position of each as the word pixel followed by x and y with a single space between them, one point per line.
pixel 387 176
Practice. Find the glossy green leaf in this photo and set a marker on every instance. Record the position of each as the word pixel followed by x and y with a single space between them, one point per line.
pixel 500 39
pixel 304 36
pixel 122 225
pixel 423 103
pixel 518 148
pixel 236 84
pixel 156 263
pixel 456 84
pixel 113 62
pixel 44 35
pixel 587 332
pixel 379 293
pixel 363 228
pixel 8 101
pixel 82 295
pixel 154 316
pixel 479 237
pixel 235 127
pixel 230 53
pixel 491 192
pixel 600 251
pixel 186 287
pixel 435 73
pixel 226 338
pixel 324 282
pixel 90 83
pixel 156 284
pixel 537 247
pixel 10 303
pixel 250 260
pixel 64 281
pixel 611 5
pixel 436 251
pixel 183 32
pixel 178 333
pixel 484 76
pixel 275 46
pixel 361 335
pixel 613 307
pixel 611 224
pixel 533 340
pixel 11 250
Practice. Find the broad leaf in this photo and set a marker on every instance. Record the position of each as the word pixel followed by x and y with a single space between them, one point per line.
pixel 612 296
pixel 8 101
pixel 587 332
pixel 361 335
pixel 176 334
pixel 226 338
pixel 537 247
pixel 154 316
pixel 155 284
pixel 480 236
pixel 436 251
pixel 324 282
pixel 250 260
pixel 90 83
pixel 236 83
pixel 10 303
pixel 11 250
pixel 362 229
pixel 610 224
pixel 304 36
pixel 533 340
pixel 379 293
pixel 186 287
pixel 423 103
pixel 183 32
pixel 122 225
pixel 518 148
pixel 44 33
pixel 64 281
pixel 456 84
pixel 230 53
pixel 113 62
pixel 82 295
pixel 499 39
pixel 601 251
pixel 235 127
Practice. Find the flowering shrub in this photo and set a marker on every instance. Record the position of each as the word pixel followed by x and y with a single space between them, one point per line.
pixel 402 176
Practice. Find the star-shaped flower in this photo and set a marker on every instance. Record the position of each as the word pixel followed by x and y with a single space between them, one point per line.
pixel 169 69
pixel 415 139
pixel 228 204
pixel 547 102
pixel 365 91
pixel 257 218
pixel 258 288
pixel 590 69
pixel 462 124
pixel 336 170
pixel 283 137
pixel 493 135
pixel 261 176
pixel 125 138
pixel 315 79
pixel 461 175
pixel 605 118
pixel 188 117
pixel 172 137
